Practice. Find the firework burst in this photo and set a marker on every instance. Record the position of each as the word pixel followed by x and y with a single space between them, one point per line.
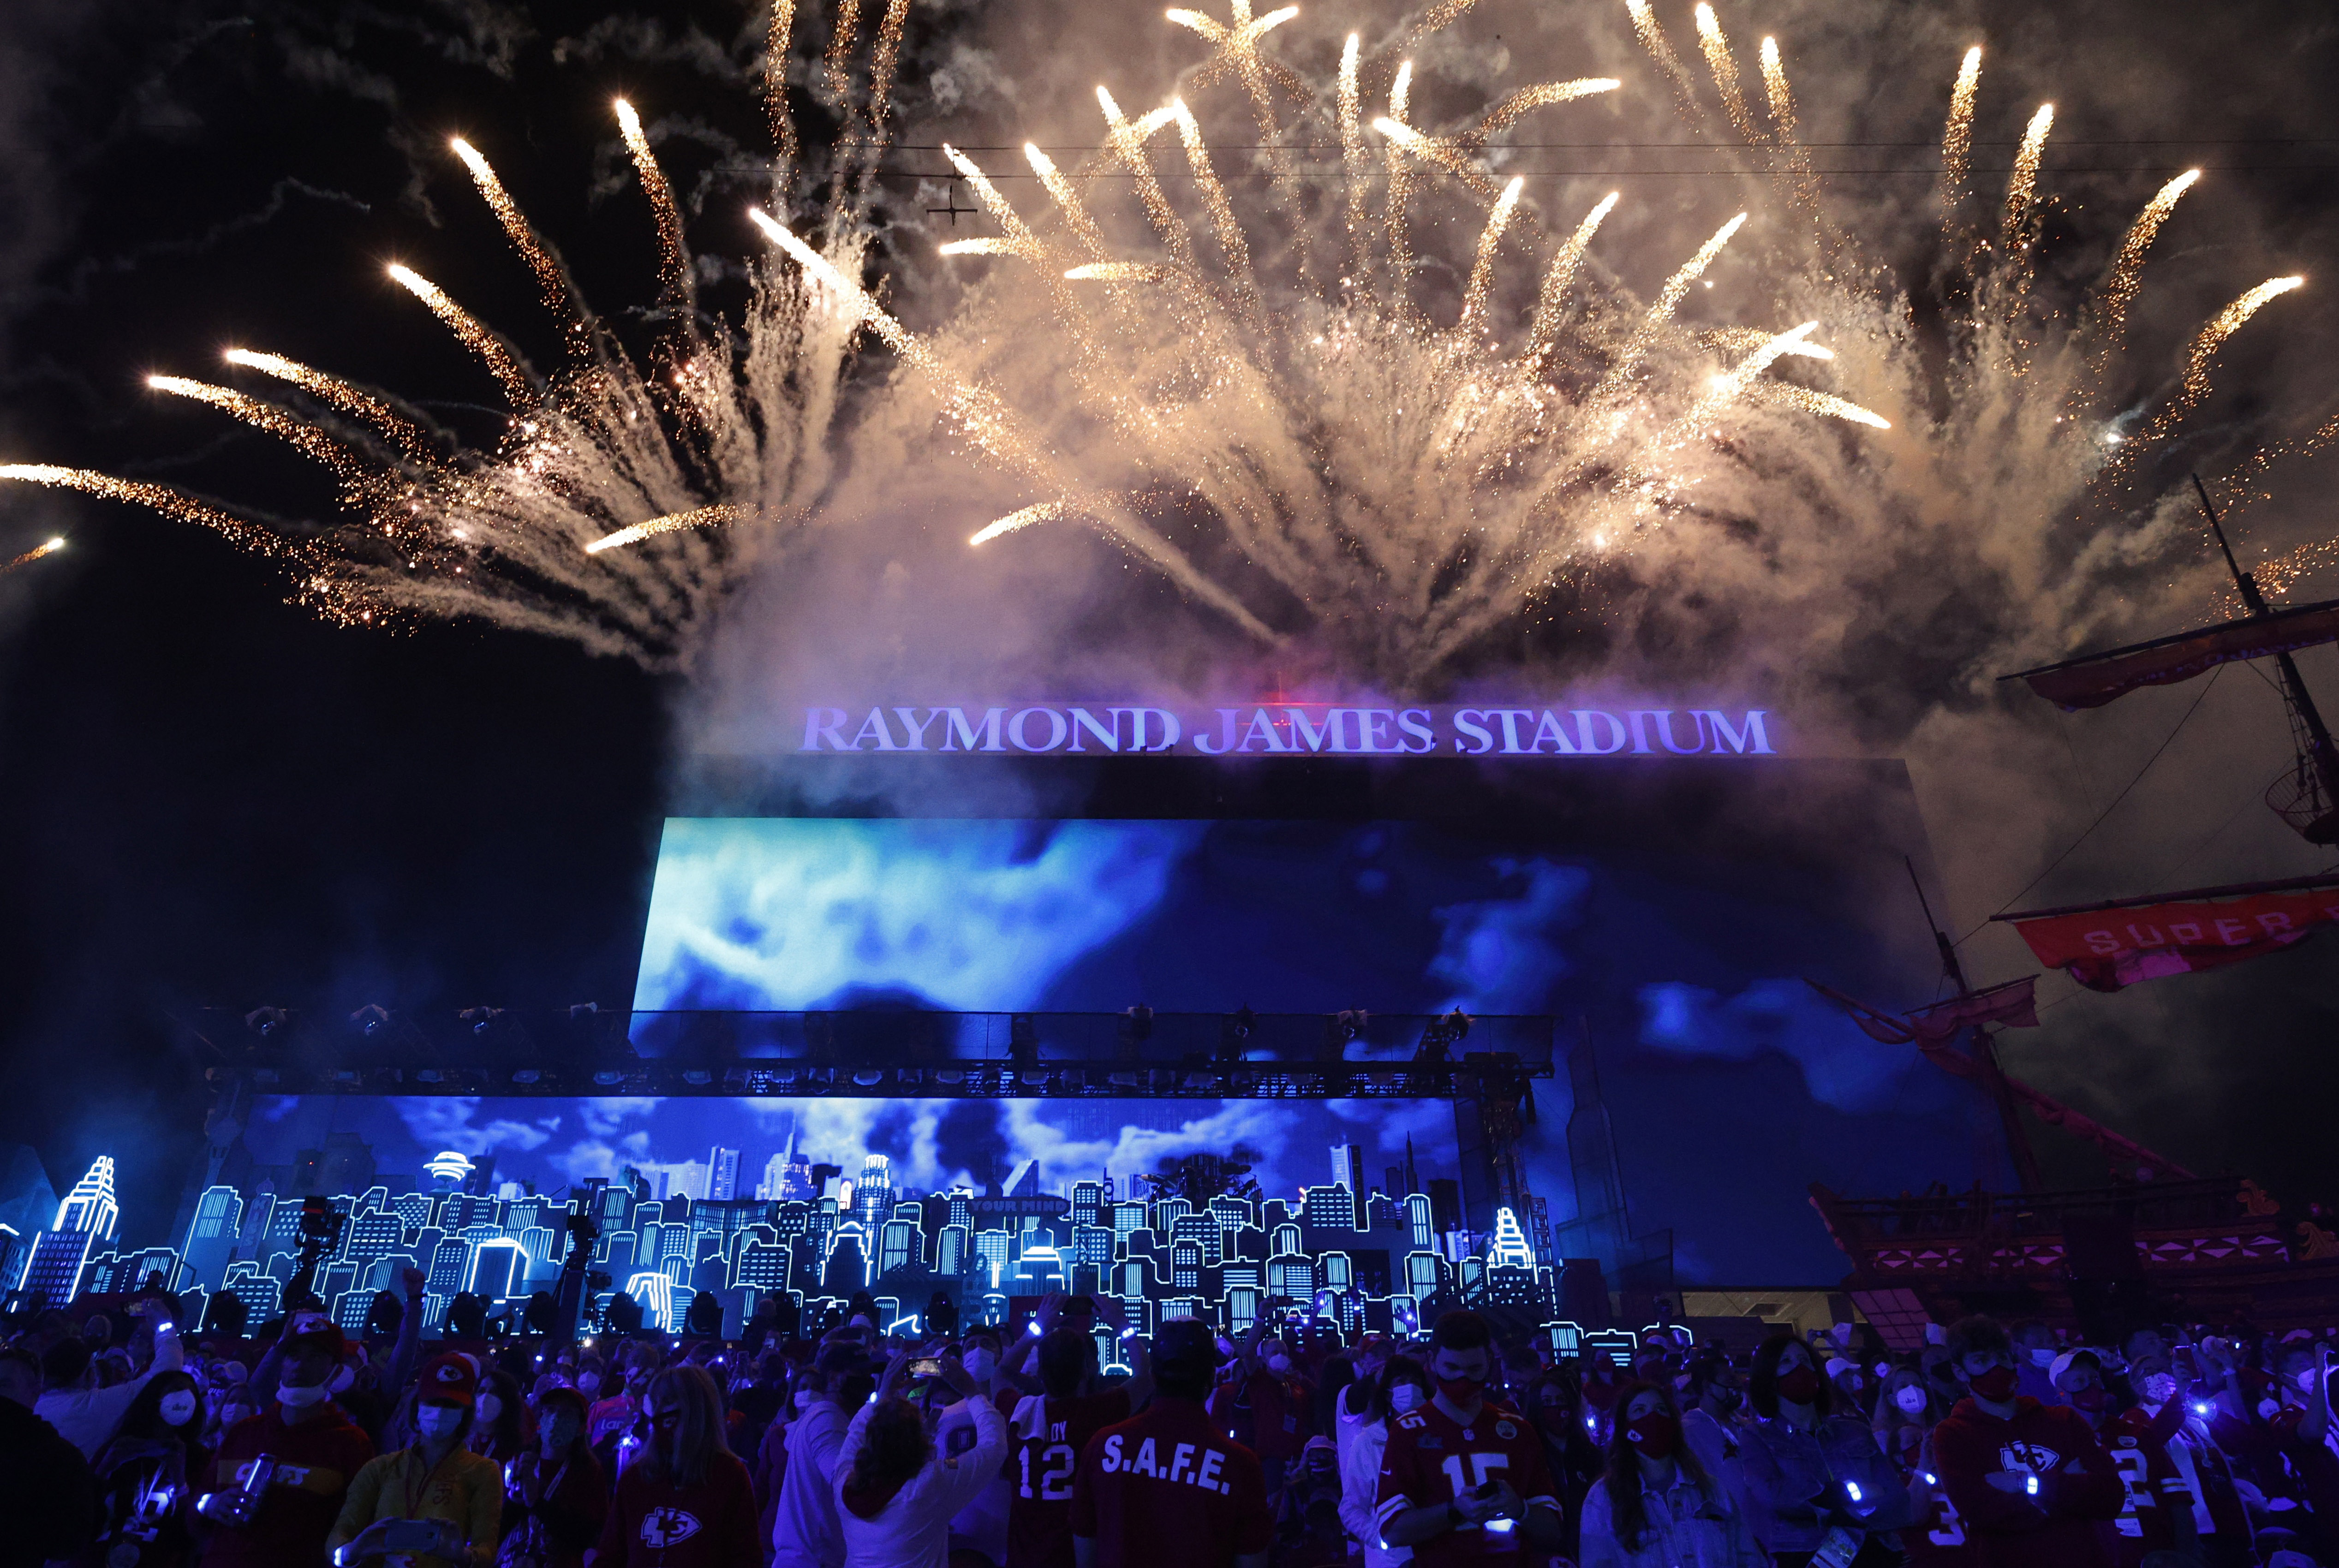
pixel 1350 451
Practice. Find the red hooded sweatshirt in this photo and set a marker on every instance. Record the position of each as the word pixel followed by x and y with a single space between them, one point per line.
pixel 2078 1488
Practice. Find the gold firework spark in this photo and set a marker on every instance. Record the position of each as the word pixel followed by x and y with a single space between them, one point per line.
pixel 524 238
pixel 716 516
pixel 1402 462
pixel 493 352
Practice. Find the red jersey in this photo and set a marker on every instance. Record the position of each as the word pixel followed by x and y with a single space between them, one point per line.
pixel 2137 1441
pixel 1433 1459
pixel 2055 1528
pixel 1167 1490
pixel 316 1460
pixel 654 1524
pixel 1049 1436
pixel 1272 1418
pixel 1938 1538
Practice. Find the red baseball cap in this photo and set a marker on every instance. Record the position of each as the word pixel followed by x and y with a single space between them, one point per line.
pixel 452 1378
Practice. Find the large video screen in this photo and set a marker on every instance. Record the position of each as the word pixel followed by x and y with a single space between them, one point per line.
pixel 1666 921
pixel 675 1145
pixel 722 1202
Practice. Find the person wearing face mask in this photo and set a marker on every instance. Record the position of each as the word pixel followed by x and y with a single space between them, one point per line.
pixel 1399 1387
pixel 281 1473
pixel 1463 1478
pixel 2138 1445
pixel 84 1413
pixel 2035 1351
pixel 1712 1397
pixel 2194 1478
pixel 2029 1481
pixel 805 1530
pixel 769 1468
pixel 434 1502
pixel 1046 1433
pixel 686 1502
pixel 1906 1414
pixel 555 1500
pixel 1817 1487
pixel 2302 1430
pixel 1266 1406
pixel 1654 1505
pixel 143 1491
pixel 980 1528
pixel 498 1431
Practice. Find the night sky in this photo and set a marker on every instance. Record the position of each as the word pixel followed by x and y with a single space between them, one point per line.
pixel 214 799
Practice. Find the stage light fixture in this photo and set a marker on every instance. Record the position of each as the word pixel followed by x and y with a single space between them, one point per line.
pixel 270 1023
pixel 372 1020
pixel 527 1075
pixel 698 1077
pixel 608 1078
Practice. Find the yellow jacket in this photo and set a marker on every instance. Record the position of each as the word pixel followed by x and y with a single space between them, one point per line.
pixel 466 1488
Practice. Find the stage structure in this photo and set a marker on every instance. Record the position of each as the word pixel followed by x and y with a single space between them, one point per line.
pixel 1196 1237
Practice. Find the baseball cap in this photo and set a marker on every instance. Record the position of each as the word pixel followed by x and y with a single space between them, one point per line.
pixel 2062 1364
pixel 1186 1341
pixel 450 1377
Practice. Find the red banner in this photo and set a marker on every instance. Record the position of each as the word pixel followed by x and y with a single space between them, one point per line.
pixel 2091 681
pixel 2107 949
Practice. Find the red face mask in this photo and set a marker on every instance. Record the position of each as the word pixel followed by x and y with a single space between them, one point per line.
pixel 2090 1398
pixel 1461 1390
pixel 1656 1435
pixel 1997 1384
pixel 1801 1386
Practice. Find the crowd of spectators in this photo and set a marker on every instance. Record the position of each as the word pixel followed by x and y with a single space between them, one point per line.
pixel 132 1444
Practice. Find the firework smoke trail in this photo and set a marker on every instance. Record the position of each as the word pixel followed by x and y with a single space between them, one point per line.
pixel 2022 189
pixel 2127 273
pixel 622 499
pixel 1652 39
pixel 1724 67
pixel 47 547
pixel 1956 137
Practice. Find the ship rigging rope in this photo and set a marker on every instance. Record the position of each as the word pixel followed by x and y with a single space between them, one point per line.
pixel 2206 689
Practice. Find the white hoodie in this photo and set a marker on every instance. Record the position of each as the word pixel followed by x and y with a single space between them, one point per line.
pixel 913 1530
pixel 1360 1481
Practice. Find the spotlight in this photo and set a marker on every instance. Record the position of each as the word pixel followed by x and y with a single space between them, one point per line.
pixel 271 1023
pixel 373 1019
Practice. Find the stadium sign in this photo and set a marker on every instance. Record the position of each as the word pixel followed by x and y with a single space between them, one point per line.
pixel 1289 729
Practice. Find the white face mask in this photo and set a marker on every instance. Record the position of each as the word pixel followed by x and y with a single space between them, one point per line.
pixel 806 1399
pixel 2045 1357
pixel 300 1399
pixel 1279 1364
pixel 2306 1381
pixel 490 1407
pixel 1405 1396
pixel 438 1420
pixel 589 1383
pixel 1911 1399
pixel 178 1408
pixel 980 1365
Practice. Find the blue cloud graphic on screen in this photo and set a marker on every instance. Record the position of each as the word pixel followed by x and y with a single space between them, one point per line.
pixel 787 913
